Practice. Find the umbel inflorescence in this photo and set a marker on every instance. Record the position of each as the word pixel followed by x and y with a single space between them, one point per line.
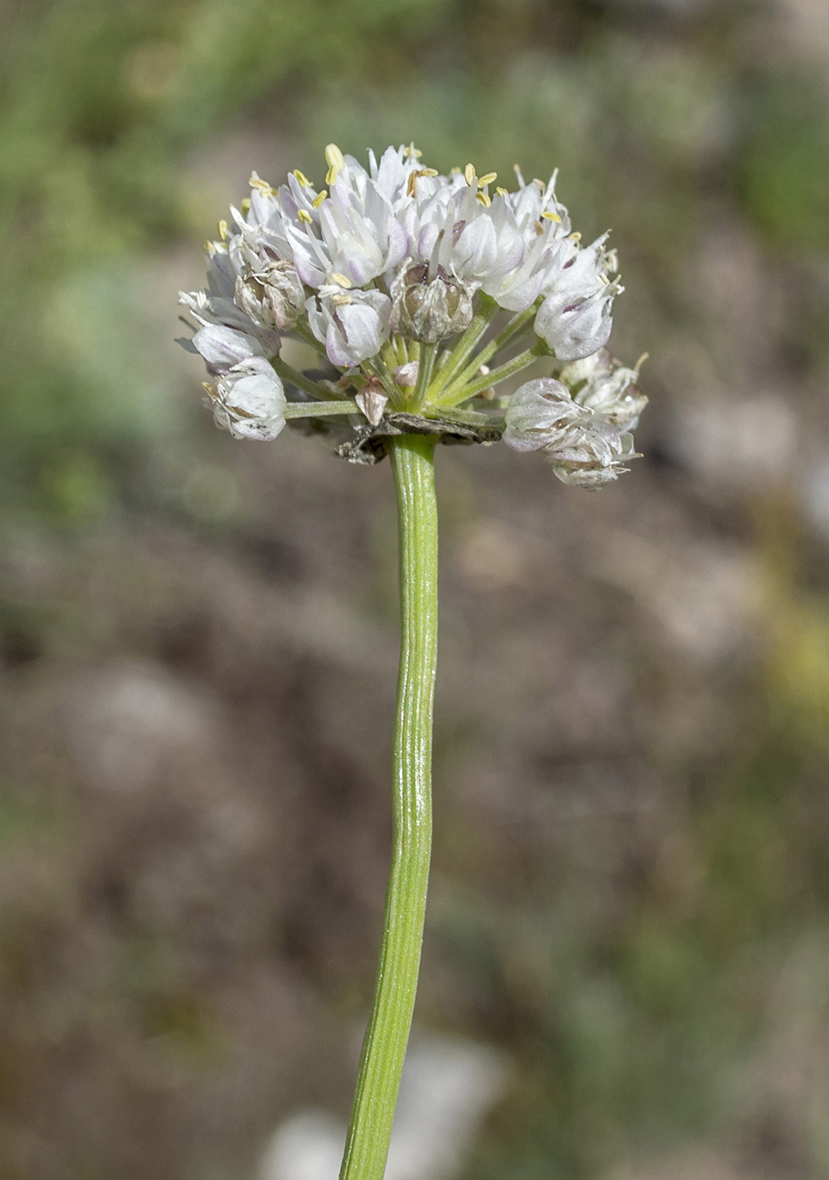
pixel 423 293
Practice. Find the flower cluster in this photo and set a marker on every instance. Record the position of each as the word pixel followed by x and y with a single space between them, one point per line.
pixel 585 436
pixel 383 266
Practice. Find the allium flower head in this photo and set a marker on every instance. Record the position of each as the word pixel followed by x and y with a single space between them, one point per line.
pixel 421 292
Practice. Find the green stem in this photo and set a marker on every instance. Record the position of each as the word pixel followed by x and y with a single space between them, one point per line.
pixel 516 325
pixel 460 353
pixel 459 393
pixel 426 364
pixel 369 1132
pixel 289 373
pixel 320 409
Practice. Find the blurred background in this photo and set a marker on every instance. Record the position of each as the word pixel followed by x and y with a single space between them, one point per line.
pixel 198 637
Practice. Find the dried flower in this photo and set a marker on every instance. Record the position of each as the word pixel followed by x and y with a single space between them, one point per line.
pixel 429 308
pixel 248 400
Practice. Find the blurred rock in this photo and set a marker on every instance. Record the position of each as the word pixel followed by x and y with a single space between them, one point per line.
pixel 125 721
pixel 447 1088
pixel 736 442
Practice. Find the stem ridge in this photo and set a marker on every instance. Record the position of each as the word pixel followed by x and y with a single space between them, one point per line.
pixel 384 1047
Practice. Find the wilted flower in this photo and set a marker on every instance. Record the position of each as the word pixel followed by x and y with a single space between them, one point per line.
pixel 541 415
pixel 248 401
pixel 584 448
pixel 273 295
pixel 612 391
pixel 429 308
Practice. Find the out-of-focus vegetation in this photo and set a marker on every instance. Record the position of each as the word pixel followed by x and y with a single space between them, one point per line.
pixel 197 636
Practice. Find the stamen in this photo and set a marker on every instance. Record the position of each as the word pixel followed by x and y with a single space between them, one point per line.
pixel 256 181
pixel 302 178
pixel 411 150
pixel 318 200
pixel 334 160
pixel 502 192
pixel 342 280
pixel 483 181
pixel 223 232
pixel 576 237
pixel 246 205
pixel 304 216
pixel 484 199
pixel 548 216
pixel 456 171
pixel 415 176
pixel 641 361
pixel 469 174
pixel 539 184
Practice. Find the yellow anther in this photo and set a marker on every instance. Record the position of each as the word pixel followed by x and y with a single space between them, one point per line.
pixel 302 178
pixel 411 150
pixel 256 181
pixel 484 199
pixel 246 205
pixel 210 248
pixel 488 179
pixel 304 216
pixel 455 171
pixel 223 231
pixel 502 192
pixel 411 184
pixel 539 184
pixel 548 216
pixel 318 200
pixel 342 280
pixel 334 160
pixel 576 237
pixel 208 388
pixel 469 174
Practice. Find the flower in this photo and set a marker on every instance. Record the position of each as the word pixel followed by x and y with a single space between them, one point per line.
pixel 584 448
pixel 607 388
pixel 575 318
pixel 429 307
pixel 386 263
pixel 248 400
pixel 351 324
pixel 542 415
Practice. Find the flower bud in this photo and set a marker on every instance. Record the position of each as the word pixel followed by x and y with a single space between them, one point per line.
pixel 248 401
pixel 429 309
pixel 272 296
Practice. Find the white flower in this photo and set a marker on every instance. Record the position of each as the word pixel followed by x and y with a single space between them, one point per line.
pixel 575 318
pixel 353 325
pixel 214 308
pixel 222 347
pixel 594 456
pixel 609 390
pixel 249 401
pixel 583 448
pixel 542 414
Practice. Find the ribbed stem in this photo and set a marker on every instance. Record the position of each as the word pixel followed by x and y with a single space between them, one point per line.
pixel 384 1048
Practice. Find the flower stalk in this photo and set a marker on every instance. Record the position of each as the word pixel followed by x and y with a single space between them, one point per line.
pixel 384 1048
pixel 376 272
